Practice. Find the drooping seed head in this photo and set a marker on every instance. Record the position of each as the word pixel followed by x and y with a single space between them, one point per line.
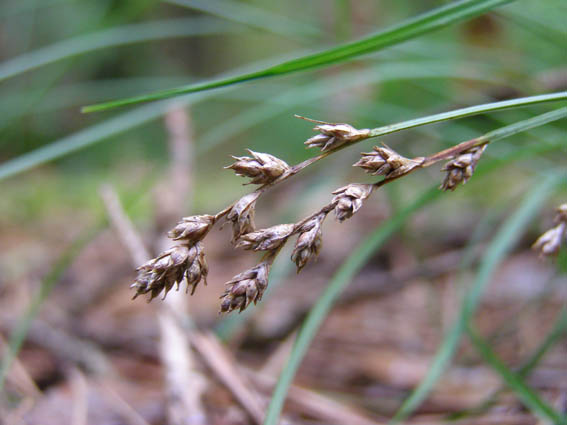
pixel 309 242
pixel 169 268
pixel 244 288
pixel 461 169
pixel 551 241
pixel 348 199
pixel 262 168
pixel 332 136
pixel 242 215
pixel 384 161
pixel 192 229
pixel 266 239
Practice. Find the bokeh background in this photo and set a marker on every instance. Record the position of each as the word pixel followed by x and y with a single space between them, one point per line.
pixel 85 353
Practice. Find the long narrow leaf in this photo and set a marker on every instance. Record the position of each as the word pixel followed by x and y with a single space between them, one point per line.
pixel 514 381
pixel 470 111
pixel 127 34
pixel 495 253
pixel 146 113
pixel 428 22
pixel 254 17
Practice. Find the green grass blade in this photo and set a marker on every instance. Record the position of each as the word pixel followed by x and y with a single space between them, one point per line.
pixel 503 241
pixel 251 16
pixel 514 381
pixel 84 138
pixel 119 36
pixel 340 280
pixel 330 86
pixel 96 133
pixel 431 21
pixel 524 125
pixel 470 111
pixel 558 330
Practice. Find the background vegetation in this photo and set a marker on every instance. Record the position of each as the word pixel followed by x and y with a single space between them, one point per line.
pixel 419 269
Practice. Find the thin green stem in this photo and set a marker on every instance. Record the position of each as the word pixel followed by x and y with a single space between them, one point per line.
pixel 531 399
pixel 469 111
pixel 431 21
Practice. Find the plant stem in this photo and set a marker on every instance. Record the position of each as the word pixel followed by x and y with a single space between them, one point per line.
pixel 467 112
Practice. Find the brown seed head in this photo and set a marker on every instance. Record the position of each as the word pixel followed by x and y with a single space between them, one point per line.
pixel 551 241
pixel 461 169
pixel 262 168
pixel 266 239
pixel 334 135
pixel 246 287
pixel 348 199
pixel 384 161
pixel 192 229
pixel 308 242
pixel 242 215
pixel 169 268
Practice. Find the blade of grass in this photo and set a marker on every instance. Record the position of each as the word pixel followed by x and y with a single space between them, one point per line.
pixel 118 36
pixel 470 111
pixel 254 17
pixel 329 86
pixel 339 281
pixel 431 21
pixel 514 381
pixel 503 241
pixel 143 114
pixel 96 133
pixel 558 330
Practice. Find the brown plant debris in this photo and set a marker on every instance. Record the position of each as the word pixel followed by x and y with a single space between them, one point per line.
pixel 461 169
pixel 262 168
pixel 384 161
pixel 551 241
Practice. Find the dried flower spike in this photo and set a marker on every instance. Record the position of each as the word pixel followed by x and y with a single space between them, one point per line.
pixel 334 135
pixel 461 169
pixel 551 241
pixel 262 168
pixel 246 287
pixel 266 239
pixel 384 161
pixel 242 215
pixel 192 229
pixel 309 242
pixel 348 199
pixel 169 268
